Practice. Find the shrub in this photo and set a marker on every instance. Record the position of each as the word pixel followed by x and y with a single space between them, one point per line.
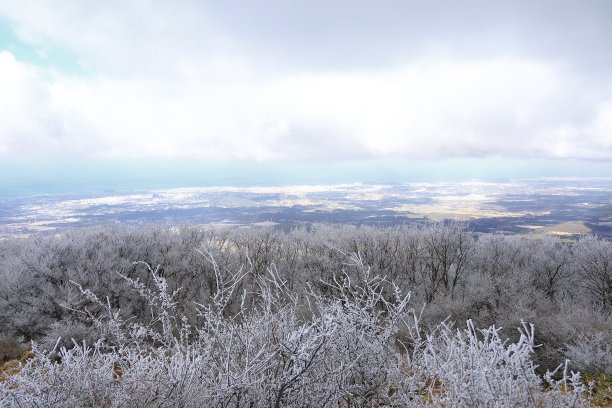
pixel 270 354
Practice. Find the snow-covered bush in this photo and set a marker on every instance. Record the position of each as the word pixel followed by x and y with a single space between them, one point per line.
pixel 357 345
pixel 591 354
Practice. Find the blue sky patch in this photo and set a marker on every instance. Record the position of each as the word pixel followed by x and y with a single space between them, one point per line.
pixel 46 54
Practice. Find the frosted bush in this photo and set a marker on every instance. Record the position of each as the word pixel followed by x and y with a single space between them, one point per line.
pixel 359 345
pixel 591 354
pixel 475 367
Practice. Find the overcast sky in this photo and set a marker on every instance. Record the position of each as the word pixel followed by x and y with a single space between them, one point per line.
pixel 306 81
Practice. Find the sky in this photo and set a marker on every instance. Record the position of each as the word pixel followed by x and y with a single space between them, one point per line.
pixel 303 91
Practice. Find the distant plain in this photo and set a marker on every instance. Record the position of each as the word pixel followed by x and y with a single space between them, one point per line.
pixel 564 207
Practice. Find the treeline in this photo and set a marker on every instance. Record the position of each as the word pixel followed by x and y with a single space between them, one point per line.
pixel 119 287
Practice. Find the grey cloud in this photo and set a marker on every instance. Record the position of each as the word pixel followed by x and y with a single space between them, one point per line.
pixel 349 34
pixel 323 34
pixel 318 143
pixel 320 80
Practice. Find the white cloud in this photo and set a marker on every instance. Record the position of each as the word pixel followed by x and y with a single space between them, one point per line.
pixel 26 120
pixel 173 82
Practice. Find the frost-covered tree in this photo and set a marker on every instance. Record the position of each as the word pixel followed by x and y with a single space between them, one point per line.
pixel 593 260
pixel 491 279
